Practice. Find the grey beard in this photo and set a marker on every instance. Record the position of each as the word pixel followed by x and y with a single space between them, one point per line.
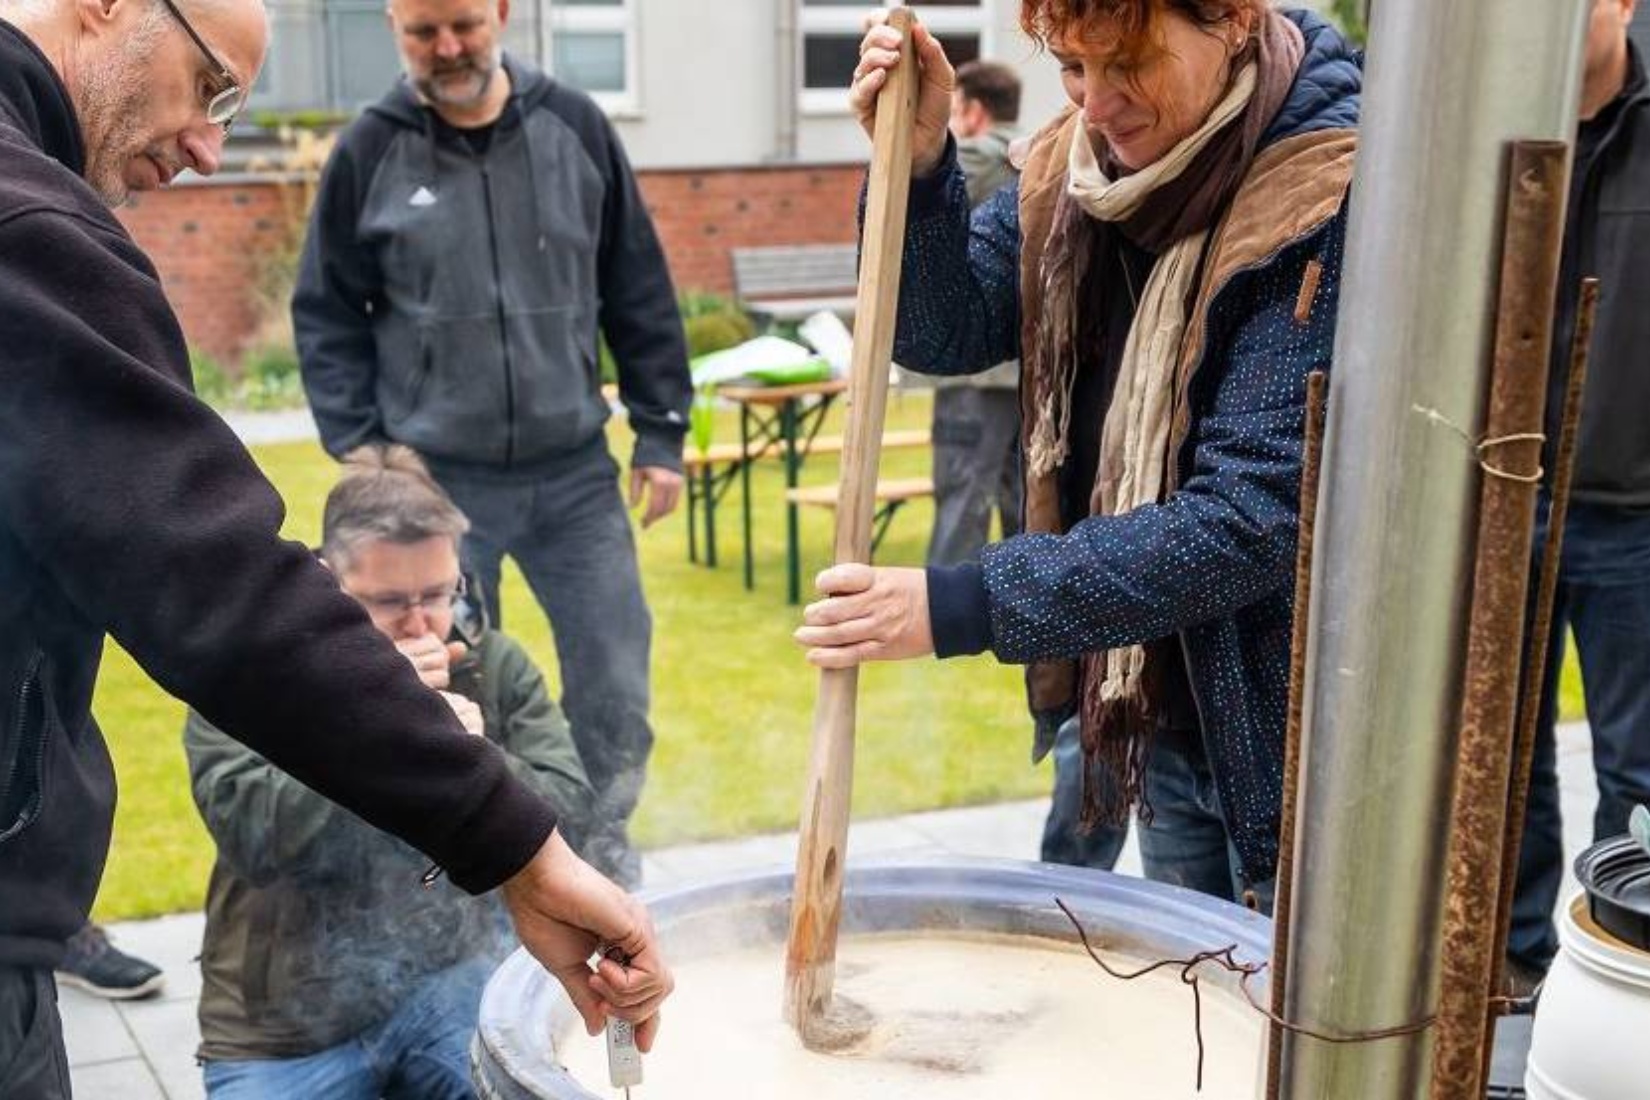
pixel 430 88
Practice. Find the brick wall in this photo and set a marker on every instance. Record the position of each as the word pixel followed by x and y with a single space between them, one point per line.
pixel 206 239
pixel 205 242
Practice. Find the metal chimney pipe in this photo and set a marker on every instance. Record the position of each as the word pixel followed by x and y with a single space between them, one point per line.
pixel 1447 86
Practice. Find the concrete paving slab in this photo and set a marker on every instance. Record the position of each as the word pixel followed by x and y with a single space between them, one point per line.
pixel 276 426
pixel 93 1031
pixel 127 1079
pixel 1010 830
pixel 168 1034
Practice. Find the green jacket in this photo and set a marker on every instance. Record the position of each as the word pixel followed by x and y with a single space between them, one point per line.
pixel 316 923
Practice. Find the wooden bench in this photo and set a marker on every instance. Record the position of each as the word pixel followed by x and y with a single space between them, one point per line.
pixel 711 472
pixel 891 495
pixel 695 460
pixel 791 282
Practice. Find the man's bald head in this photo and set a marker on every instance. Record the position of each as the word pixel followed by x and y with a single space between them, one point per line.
pixel 141 83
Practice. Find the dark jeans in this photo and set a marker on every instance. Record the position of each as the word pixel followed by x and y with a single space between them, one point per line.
pixel 1064 841
pixel 33 1065
pixel 1604 598
pixel 976 468
pixel 1186 843
pixel 571 536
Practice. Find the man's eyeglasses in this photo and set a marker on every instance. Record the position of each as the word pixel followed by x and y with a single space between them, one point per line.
pixel 393 606
pixel 225 103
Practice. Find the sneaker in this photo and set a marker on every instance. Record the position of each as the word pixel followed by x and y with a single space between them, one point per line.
pixel 92 964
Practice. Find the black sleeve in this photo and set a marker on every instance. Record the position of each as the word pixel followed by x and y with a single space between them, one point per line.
pixel 639 315
pixel 142 507
pixel 338 284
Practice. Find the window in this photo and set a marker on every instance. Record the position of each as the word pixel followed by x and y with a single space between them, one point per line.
pixel 592 46
pixel 831 33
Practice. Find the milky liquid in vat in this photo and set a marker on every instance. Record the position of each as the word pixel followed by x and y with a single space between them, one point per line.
pixel 958 1018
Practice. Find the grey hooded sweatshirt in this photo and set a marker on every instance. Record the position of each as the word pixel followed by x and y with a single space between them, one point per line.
pixel 450 300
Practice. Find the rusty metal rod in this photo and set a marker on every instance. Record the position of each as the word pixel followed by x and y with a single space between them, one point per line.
pixel 1535 658
pixel 1510 455
pixel 1317 406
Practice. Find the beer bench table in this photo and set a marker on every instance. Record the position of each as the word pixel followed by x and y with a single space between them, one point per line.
pixel 891 494
pixel 774 421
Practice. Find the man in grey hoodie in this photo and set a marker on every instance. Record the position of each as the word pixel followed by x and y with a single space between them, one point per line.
pixel 476 229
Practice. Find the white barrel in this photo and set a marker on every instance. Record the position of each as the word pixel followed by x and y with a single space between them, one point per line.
pixel 1592 1028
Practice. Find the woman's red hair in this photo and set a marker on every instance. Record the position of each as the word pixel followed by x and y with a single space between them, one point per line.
pixel 1132 25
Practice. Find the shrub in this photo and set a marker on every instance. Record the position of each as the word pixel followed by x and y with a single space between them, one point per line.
pixel 269 378
pixel 212 385
pixel 710 332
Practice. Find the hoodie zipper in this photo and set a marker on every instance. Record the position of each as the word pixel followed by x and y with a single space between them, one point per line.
pixel 29 752
pixel 503 326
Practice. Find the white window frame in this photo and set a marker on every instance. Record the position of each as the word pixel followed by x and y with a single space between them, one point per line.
pixel 815 19
pixel 617 18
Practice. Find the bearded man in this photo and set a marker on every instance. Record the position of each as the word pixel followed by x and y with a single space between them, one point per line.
pixel 476 231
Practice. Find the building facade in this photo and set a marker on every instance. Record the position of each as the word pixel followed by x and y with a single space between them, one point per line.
pixel 688 83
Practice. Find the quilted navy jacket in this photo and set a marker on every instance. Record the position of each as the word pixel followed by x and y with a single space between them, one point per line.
pixel 1214 562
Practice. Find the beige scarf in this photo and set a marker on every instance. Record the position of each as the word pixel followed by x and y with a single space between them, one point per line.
pixel 1134 440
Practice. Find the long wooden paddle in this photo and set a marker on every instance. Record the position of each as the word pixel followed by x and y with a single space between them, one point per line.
pixel 816 905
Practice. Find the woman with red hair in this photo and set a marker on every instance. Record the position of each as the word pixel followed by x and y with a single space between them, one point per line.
pixel 1167 270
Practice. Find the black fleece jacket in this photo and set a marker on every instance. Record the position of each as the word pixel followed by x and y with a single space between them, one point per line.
pixel 128 508
pixel 1607 235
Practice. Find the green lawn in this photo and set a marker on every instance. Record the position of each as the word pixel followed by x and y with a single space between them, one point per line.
pixel 732 705
pixel 733 700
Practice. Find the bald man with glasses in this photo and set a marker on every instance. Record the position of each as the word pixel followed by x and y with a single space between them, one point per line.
pixel 128 509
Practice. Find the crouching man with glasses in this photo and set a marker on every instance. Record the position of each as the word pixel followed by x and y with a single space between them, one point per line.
pixel 326 970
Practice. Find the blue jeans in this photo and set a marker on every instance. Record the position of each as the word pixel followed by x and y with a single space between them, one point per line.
pixel 571 536
pixel 1604 598
pixel 1186 843
pixel 1064 840
pixel 420 1053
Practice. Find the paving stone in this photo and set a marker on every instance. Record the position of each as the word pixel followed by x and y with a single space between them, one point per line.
pixel 168 1034
pixel 93 1031
pixel 127 1079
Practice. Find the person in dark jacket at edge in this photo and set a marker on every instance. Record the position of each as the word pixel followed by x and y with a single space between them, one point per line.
pixel 1167 270
pixel 129 509
pixel 1604 570
pixel 321 974
pixel 474 231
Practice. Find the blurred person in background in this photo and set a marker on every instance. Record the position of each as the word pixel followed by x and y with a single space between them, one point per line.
pixel 476 232
pixel 1603 594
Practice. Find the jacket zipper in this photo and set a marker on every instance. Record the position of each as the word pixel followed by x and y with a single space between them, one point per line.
pixel 503 326
pixel 28 753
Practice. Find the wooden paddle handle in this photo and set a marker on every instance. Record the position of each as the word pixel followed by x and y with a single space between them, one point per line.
pixel 816 905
